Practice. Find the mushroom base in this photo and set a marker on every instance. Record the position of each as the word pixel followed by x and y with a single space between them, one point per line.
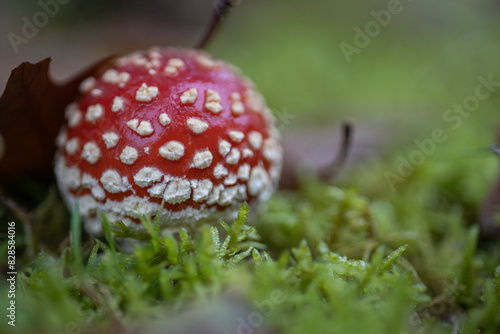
pixel 133 207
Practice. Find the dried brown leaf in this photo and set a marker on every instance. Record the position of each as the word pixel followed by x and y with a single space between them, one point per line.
pixel 31 114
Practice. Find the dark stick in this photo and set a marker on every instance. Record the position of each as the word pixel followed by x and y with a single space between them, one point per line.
pixel 334 168
pixel 221 8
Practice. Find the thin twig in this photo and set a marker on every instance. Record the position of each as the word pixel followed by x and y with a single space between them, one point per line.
pixel 95 296
pixel 18 210
pixel 221 9
pixel 338 163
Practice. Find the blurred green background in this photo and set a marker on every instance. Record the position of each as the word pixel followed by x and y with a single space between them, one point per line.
pixel 425 59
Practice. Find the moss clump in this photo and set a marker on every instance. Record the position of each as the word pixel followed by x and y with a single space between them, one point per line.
pixel 323 259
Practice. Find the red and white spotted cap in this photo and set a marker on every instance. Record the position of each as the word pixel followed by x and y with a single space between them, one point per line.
pixel 168 125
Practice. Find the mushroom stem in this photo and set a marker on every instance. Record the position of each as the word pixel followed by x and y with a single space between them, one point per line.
pixel 221 9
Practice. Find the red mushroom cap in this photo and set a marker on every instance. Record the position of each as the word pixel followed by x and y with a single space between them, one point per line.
pixel 168 125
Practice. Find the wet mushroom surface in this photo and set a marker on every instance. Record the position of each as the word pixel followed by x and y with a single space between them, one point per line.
pixel 169 127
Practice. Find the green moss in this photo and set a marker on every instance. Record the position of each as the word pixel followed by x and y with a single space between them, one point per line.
pixel 323 257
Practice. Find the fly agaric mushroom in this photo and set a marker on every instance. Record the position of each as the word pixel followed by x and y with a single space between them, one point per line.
pixel 172 126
